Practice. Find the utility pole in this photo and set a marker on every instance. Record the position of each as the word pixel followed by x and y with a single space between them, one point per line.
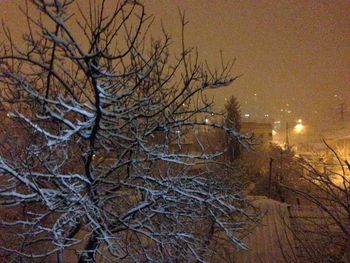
pixel 340 108
pixel 342 111
pixel 287 135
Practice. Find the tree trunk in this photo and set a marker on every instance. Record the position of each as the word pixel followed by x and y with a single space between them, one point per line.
pixel 88 256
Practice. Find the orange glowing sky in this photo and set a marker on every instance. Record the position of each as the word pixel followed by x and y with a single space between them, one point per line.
pixel 289 52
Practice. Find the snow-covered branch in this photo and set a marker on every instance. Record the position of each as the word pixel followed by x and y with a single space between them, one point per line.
pixel 110 161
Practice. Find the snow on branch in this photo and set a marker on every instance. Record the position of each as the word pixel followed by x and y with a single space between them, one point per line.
pixel 109 157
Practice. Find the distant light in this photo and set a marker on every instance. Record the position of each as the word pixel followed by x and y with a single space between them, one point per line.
pixel 274 132
pixel 247 115
pixel 281 109
pixel 266 115
pixel 255 94
pixel 206 120
pixel 277 122
pixel 299 128
pixel 300 121
pixel 289 111
pixel 178 132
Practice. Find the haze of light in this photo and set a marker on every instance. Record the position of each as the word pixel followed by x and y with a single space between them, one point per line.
pixel 294 56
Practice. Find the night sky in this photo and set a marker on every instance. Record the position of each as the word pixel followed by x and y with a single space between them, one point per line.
pixel 294 55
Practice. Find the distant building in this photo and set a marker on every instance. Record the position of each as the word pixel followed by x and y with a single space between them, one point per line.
pixel 260 130
pixel 204 139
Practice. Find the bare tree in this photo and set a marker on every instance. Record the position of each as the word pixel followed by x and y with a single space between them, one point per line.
pixel 322 223
pixel 101 174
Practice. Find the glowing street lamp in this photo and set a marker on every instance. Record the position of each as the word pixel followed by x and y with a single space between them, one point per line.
pixel 299 128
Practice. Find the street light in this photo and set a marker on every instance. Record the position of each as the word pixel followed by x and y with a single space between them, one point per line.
pixel 299 127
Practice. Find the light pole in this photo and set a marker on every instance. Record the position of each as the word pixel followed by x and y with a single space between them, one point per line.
pixel 287 135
